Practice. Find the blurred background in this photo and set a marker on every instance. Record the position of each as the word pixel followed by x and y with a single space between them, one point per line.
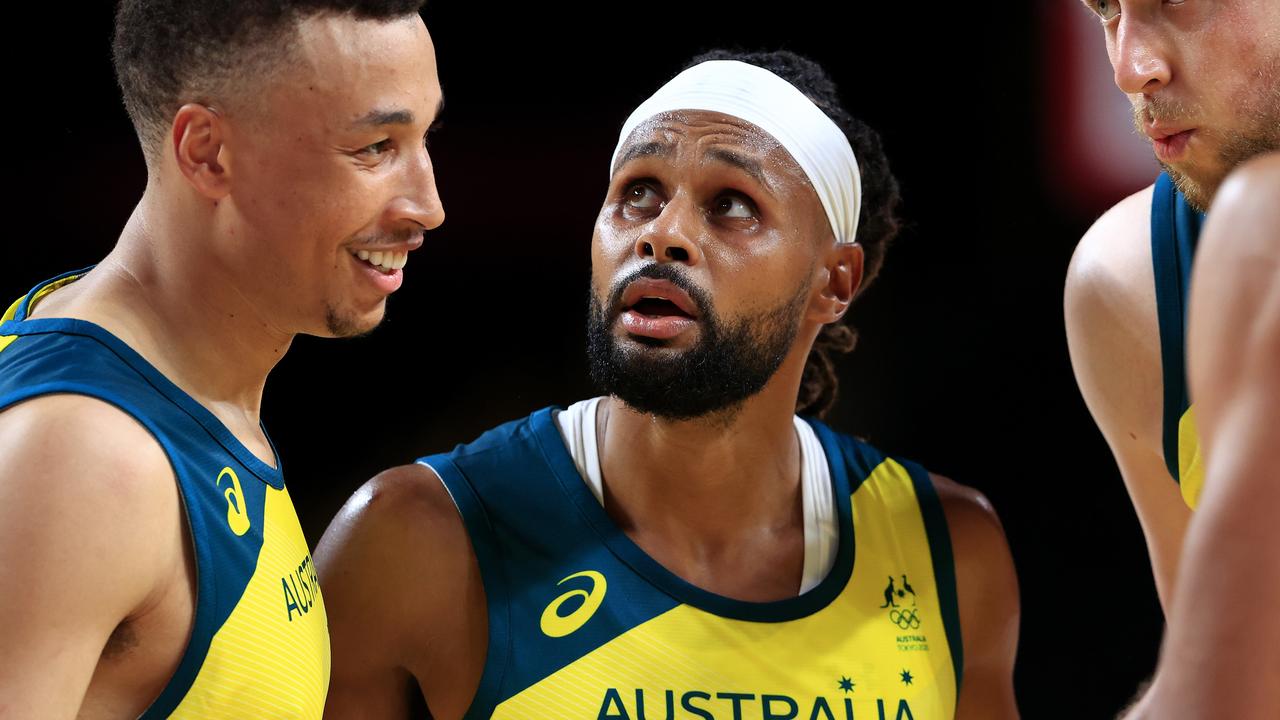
pixel 1004 130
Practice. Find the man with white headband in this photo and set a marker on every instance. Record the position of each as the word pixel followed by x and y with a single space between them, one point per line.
pixel 687 546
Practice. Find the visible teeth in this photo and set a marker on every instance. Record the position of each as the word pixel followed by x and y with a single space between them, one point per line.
pixel 385 260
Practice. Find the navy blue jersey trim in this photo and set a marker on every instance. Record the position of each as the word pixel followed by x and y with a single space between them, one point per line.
pixel 493 577
pixel 20 314
pixel 206 622
pixel 1175 227
pixel 273 476
pixel 944 567
pixel 561 463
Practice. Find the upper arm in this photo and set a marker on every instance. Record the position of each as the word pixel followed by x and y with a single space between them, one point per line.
pixel 1114 341
pixel 404 599
pixel 1216 660
pixel 987 589
pixel 84 492
pixel 1234 328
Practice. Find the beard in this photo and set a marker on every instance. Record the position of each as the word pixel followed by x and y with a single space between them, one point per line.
pixel 1256 133
pixel 729 363
pixel 341 325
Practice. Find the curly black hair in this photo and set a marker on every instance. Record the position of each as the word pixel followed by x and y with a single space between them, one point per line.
pixel 878 220
pixel 170 52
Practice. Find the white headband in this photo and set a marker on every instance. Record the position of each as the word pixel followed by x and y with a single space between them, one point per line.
pixel 774 105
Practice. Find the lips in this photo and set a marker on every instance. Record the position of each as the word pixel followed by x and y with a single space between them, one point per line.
pixel 1169 141
pixel 658 298
pixel 657 309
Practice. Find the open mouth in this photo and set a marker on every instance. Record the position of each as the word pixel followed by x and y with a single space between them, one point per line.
pixel 656 307
pixel 383 261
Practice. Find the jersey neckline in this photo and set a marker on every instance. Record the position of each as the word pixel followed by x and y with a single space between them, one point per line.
pixel 20 325
pixel 563 468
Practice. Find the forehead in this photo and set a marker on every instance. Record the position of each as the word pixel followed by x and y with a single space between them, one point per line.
pixel 702 136
pixel 344 67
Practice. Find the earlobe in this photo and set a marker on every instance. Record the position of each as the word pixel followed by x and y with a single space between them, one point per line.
pixel 197 142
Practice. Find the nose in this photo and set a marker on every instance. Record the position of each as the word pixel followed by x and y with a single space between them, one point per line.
pixel 1139 56
pixel 419 201
pixel 671 237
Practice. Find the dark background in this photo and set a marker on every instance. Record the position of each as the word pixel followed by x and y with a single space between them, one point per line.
pixel 962 362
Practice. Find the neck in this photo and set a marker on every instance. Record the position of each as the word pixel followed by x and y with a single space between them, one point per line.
pixel 707 482
pixel 165 291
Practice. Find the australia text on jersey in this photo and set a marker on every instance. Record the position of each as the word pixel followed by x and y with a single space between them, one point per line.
pixel 701 705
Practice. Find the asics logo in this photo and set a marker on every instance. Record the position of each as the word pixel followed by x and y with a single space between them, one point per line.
pixel 556 625
pixel 237 513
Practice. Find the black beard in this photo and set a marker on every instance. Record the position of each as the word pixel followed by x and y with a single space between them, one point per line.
pixel 728 364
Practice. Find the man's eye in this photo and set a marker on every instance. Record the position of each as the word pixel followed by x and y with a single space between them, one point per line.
pixel 377 148
pixel 1106 9
pixel 640 195
pixel 734 206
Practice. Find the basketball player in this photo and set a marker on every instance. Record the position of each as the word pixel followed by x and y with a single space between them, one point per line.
pixel 151 563
pixel 1218 661
pixel 1204 80
pixel 688 547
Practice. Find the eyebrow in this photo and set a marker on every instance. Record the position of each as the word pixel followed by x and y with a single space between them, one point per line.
pixel 378 117
pixel 749 165
pixel 655 148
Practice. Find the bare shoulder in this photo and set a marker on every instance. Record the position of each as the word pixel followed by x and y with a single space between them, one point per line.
pixel 987 589
pixel 404 597
pixel 408 501
pixel 1110 271
pixel 1242 224
pixel 1115 246
pixel 984 566
pixel 971 518
pixel 398 536
pixel 85 463
pixel 1112 329
pixel 85 494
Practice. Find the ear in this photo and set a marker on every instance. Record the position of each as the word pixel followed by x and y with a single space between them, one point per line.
pixel 197 141
pixel 842 268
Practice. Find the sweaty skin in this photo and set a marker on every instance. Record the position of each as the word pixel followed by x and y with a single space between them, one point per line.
pixel 216 271
pixel 1217 661
pixel 1184 66
pixel 725 202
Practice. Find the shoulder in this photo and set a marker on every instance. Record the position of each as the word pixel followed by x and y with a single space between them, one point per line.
pixel 403 590
pixel 986 581
pixel 976 533
pixel 1241 225
pixel 1113 260
pixel 85 491
pixel 1112 328
pixel 86 455
pixel 406 508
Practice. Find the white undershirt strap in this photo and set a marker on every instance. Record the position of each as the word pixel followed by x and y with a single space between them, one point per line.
pixel 821 533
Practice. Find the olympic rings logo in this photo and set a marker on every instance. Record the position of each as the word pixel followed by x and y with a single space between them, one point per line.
pixel 905 619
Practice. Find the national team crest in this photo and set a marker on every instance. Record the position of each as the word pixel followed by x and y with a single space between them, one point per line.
pixel 901 613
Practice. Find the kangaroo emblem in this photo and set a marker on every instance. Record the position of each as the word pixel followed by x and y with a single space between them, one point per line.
pixel 889 593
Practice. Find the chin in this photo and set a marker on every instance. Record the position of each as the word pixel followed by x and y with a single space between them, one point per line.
pixel 340 324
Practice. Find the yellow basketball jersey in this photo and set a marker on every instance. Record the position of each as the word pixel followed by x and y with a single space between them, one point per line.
pixel 584 624
pixel 260 644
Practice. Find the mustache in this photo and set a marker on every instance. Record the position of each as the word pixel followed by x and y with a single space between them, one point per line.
pixel 668 272
pixel 1149 110
pixel 402 235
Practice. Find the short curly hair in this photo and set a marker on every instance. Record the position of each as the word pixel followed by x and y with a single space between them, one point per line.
pixel 878 221
pixel 170 52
